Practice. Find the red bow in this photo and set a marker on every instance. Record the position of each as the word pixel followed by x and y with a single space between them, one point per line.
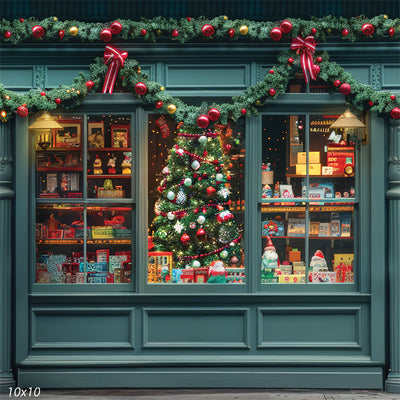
pixel 115 59
pixel 306 48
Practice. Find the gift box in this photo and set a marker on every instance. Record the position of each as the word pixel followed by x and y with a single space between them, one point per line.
pixel 323 277
pixel 97 277
pixel 294 255
pixel 313 157
pixel 157 262
pixel 102 232
pixel 292 279
pixel 313 169
pixel 116 262
pixel 299 268
pixel 93 267
pixel 187 275
pixel 122 233
pixel 284 270
pixel 200 275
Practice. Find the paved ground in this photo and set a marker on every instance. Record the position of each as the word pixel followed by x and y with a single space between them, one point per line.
pixel 216 394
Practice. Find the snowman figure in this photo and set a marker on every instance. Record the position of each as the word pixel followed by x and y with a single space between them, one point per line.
pixel 269 261
pixel 318 262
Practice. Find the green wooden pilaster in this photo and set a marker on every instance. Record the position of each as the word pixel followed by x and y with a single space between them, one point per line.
pixel 393 195
pixel 6 200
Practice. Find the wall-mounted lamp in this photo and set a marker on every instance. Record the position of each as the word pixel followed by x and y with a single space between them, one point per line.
pixel 43 126
pixel 351 126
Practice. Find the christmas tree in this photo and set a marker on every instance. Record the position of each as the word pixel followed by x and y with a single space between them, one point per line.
pixel 193 219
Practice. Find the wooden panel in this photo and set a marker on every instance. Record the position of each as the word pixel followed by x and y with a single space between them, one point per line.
pixel 16 77
pixel 309 327
pixel 359 72
pixel 82 328
pixel 206 76
pixel 196 328
pixel 62 75
pixel 391 77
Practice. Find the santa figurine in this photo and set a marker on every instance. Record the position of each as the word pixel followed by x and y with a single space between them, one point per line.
pixel 318 262
pixel 270 259
pixel 217 272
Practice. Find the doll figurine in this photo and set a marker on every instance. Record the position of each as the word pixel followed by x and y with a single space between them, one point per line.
pixel 111 165
pixel 126 163
pixel 97 170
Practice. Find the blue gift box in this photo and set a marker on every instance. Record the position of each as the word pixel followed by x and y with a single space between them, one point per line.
pixel 93 267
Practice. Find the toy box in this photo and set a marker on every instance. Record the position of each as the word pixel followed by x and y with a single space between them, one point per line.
pixel 292 279
pixel 323 277
pixel 313 157
pixel 313 169
pixel 102 232
pixel 93 267
pixel 273 228
pixel 157 262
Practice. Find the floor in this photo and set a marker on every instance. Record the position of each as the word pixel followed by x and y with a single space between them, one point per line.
pixel 215 394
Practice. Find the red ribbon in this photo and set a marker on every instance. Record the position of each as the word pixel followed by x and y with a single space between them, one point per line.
pixel 306 48
pixel 115 59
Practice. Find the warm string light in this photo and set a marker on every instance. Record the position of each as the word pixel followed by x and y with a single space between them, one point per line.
pixel 186 210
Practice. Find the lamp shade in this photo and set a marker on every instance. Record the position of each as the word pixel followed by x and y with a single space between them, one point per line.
pixel 45 121
pixel 347 120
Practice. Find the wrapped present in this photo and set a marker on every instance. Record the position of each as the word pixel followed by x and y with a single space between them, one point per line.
pixel 54 268
pixel 176 275
pixel 323 277
pixel 116 262
pixel 187 275
pixel 93 267
pixel 102 232
pixel 97 277
pixel 292 278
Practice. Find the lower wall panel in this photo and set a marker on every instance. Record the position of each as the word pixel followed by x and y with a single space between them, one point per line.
pixel 327 378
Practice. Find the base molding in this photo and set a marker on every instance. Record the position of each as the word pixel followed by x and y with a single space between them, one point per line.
pixel 6 381
pixel 392 384
pixel 204 377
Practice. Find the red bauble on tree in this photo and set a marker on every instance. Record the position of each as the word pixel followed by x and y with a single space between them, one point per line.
pixel 395 113
pixel 21 20
pixel 105 35
pixel 37 31
pixel 213 114
pixel 61 33
pixel 231 32
pixel 271 71
pixel 391 31
pixel 336 83
pixel 317 69
pixel 370 103
pixel 140 88
pixel 276 34
pixel 207 30
pixel 211 191
pixel 290 60
pixel 43 93
pixel 174 33
pixel 143 32
pixel 319 59
pixel 313 31
pixel 185 239
pixel 116 27
pixel 393 97
pixel 243 111
pixel 203 121
pixel 89 85
pixel 57 101
pixel 345 89
pixel 272 92
pixel 22 111
pixel 189 19
pixel 7 34
pixel 159 104
pixel 345 32
pixel 367 29
pixel 286 26
pixel 201 233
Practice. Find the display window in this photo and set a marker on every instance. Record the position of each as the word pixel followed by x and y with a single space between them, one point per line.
pixel 309 201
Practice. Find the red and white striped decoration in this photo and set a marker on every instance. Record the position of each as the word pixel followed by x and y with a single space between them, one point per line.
pixel 115 59
pixel 306 48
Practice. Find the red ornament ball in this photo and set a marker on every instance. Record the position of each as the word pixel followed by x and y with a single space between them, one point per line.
pixel 21 20
pixel 319 59
pixel 213 114
pixel 227 147
pixel 189 19
pixel 143 32
pixel 395 113
pixel 159 104
pixel 207 30
pixel 271 71
pixel 22 111
pixel 106 35
pixel 391 31
pixel 140 88
pixel 231 32
pixel 57 101
pixel 201 233
pixel 272 92
pixel 211 190
pixel 286 26
pixel 345 89
pixel 89 85
pixel 393 97
pixel 116 27
pixel 174 33
pixel 313 31
pixel 290 60
pixel 345 32
pixel 61 33
pixel 203 121
pixel 370 103
pixel 37 31
pixel 43 93
pixel 7 34
pixel 185 239
pixel 317 69
pixel 243 111
pixel 276 34
pixel 367 29
pixel 336 83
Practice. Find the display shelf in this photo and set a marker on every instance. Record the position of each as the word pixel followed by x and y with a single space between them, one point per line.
pixel 80 241
pixel 57 149
pixel 117 176
pixel 300 200
pixel 277 209
pixel 57 169
pixel 110 149
pixel 311 237
pixel 320 176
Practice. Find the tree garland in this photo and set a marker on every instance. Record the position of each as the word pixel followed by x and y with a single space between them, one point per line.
pixel 190 29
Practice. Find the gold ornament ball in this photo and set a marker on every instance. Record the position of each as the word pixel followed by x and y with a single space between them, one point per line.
pixel 171 108
pixel 55 19
pixel 158 32
pixel 244 29
pixel 385 16
pixel 78 92
pixel 258 103
pixel 73 31
pixel 225 17
pixel 7 97
pixel 329 30
pixel 162 88
pixel 68 91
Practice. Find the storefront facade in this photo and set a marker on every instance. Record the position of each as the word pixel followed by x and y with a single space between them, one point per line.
pixel 136 324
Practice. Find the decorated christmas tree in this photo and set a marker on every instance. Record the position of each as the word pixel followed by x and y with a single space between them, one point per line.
pixel 193 219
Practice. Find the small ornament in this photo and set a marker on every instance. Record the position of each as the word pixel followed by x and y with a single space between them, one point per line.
pixel 224 216
pixel 395 113
pixel 61 33
pixel 171 216
pixel 370 103
pixel 219 177
pixel 187 182
pixel 181 197
pixel 55 19
pixel 213 114
pixel 211 191
pixel 165 170
pixel 286 26
pixel 3 114
pixel 57 101
pixel 171 108
pixel 105 35
pixel 336 83
pixel 271 71
pixel 43 93
pixel 243 111
pixel 385 16
pixel 393 97
pixel 391 31
pixel 143 32
pixel 345 32
pixel 140 88
pixel 234 260
pixel 73 31
pixel 313 31
pixel 195 165
pixel 203 121
pixel 89 85
pixel 231 33
pixel 116 27
pixel 207 30
pixel 192 225
pixel 171 195
pixel 22 111
pixel 345 89
pixel 162 88
pixel 224 192
pixel 225 17
pixel 319 59
pixel 201 219
pixel 203 140
pixel 21 20
pixel 317 69
pixel 201 233
pixel 223 254
pixel 244 29
pixel 7 34
pixel 159 104
pixel 196 264
pixel 37 31
pixel 290 60
pixel 185 239
pixel 189 19
pixel 174 33
pixel 276 34
pixel 367 29
pixel 272 92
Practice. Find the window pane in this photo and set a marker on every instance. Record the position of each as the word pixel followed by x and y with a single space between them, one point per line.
pixel 196 203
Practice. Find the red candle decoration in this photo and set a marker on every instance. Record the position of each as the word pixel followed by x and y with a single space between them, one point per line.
pixel 345 89
pixel 286 26
pixel 231 32
pixel 22 111
pixel 57 101
pixel 207 30
pixel 89 85
pixel 37 31
pixel 203 121
pixel 276 34
pixel 345 32
pixel 143 32
pixel 336 83
pixel 367 29
pixel 391 31
pixel 159 104
pixel 213 114
pixel 185 239
pixel 243 111
pixel 395 113
pixel 116 27
pixel 140 88
pixel 174 33
pixel 272 92
pixel 7 34
pixel 61 33
pixel 106 35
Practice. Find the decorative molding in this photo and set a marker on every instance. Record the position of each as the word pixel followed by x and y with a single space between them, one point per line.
pixel 376 76
pixel 39 76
